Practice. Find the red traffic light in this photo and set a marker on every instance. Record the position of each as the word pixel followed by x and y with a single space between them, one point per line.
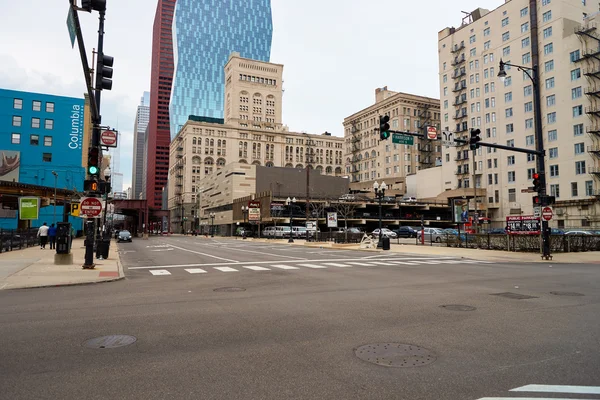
pixel 536 176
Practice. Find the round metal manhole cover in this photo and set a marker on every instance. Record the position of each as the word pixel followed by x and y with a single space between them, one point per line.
pixel 458 307
pixel 110 342
pixel 395 355
pixel 567 294
pixel 230 289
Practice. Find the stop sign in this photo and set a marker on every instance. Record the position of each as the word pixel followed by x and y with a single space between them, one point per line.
pixel 90 207
pixel 547 213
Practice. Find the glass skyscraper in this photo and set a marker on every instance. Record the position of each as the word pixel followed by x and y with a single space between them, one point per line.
pixel 205 33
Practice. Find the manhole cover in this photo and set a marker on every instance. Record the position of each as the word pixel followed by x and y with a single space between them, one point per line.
pixel 515 296
pixel 110 342
pixel 230 289
pixel 567 294
pixel 396 355
pixel 458 307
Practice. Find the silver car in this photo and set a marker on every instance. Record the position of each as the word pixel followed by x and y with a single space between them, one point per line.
pixel 432 235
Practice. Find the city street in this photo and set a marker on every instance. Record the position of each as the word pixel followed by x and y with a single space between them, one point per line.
pixel 219 318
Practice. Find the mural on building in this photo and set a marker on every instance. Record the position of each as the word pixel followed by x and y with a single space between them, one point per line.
pixel 10 163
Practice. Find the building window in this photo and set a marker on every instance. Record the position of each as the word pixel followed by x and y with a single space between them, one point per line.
pixel 47 157
pixel 15 138
pixel 530 158
pixel 50 107
pixel 512 195
pixel 510 160
pixel 527 90
pixel 508 97
pixel 18 104
pixel 550 83
pixel 529 106
pixel 576 93
pixel 16 120
pixel 554 171
pixel 37 105
pixel 530 172
pixel 472 39
pixel 505 21
pixel 524 27
pixel 589 188
pixel 574 190
pixel 547 16
pixel 47 141
pixel 550 100
pixel 551 117
pixel 578 111
pixel 575 74
pixel 552 135
pixel 486 45
pixel 49 124
pixel 549 66
pixel 505 36
pixel 579 148
pixel 35 122
pixel 486 32
pixel 507 81
pixel 529 140
pixel 34 140
pixel 555 190
pixel 524 12
pixel 574 56
pixel 547 32
pixel 506 51
pixel 553 152
pixel 526 59
pixel 508 112
pixel 509 128
pixel 548 48
pixel 578 130
pixel 545 2
pixel 509 143
pixel 529 123
pixel 579 167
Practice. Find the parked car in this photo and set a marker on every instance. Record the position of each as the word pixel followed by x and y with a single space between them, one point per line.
pixel 453 233
pixel 497 231
pixel 341 231
pixel 407 232
pixel 408 199
pixel 556 231
pixel 124 236
pixel 575 232
pixel 432 234
pixel 386 233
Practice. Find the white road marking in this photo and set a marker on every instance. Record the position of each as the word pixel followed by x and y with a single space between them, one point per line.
pixel 163 250
pixel 159 272
pixel 339 265
pixel 196 271
pixel 357 263
pixel 402 262
pixel 379 263
pixel 259 252
pixel 523 398
pixel 558 389
pixel 425 262
pixel 204 254
pixel 280 266
pixel 477 262
pixel 255 268
pixel 311 266
pixel 450 261
pixel 226 269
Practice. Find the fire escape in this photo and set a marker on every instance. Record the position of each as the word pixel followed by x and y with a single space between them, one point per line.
pixel 460 113
pixel 356 151
pixel 179 183
pixel 425 146
pixel 590 61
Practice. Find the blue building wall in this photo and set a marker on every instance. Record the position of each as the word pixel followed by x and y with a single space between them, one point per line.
pixel 205 33
pixel 53 145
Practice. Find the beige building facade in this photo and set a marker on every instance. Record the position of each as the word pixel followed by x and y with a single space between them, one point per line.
pixel 252 133
pixel 472 96
pixel 367 159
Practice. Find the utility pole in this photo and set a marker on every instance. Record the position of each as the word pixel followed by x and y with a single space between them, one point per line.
pixel 476 216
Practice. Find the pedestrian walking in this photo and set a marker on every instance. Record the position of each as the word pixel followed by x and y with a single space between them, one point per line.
pixel 43 235
pixel 52 237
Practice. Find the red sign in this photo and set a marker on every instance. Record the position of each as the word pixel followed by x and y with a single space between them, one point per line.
pixel 431 132
pixel 547 213
pixel 108 139
pixel 90 207
pixel 522 225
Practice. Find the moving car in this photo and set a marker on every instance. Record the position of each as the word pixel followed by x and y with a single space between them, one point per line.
pixel 124 236
pixel 386 233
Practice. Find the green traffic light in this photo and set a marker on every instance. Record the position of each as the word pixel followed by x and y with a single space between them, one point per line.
pixel 386 135
pixel 93 170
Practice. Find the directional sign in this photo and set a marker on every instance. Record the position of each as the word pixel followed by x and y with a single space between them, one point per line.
pixel 75 209
pixel 448 139
pixel 537 212
pixel 431 132
pixel 399 138
pixel 108 139
pixel 547 213
pixel 71 26
pixel 90 207
pixel 254 211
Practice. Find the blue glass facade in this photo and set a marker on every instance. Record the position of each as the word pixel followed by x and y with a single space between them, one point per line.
pixel 41 133
pixel 205 33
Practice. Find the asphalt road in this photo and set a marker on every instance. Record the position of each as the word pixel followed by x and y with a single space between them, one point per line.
pixel 291 329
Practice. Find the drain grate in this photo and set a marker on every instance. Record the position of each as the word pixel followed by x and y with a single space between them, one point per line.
pixel 458 307
pixel 395 355
pixel 109 342
pixel 230 289
pixel 515 296
pixel 567 294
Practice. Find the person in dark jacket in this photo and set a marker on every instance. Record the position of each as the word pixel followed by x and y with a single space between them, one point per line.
pixel 52 236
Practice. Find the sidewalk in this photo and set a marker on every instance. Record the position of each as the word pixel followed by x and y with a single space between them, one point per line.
pixel 33 267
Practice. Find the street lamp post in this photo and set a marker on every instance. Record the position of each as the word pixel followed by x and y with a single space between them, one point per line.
pixel 55 184
pixel 379 193
pixel 533 74
pixel 212 223
pixel 290 202
pixel 245 213
pixel 107 174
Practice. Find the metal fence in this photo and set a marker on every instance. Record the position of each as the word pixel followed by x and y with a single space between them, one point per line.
pixel 18 239
pixel 525 243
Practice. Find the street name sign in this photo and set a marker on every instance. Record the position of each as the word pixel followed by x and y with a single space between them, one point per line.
pixel 399 138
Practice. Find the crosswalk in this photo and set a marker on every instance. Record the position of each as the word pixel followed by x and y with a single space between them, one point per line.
pixel 304 265
pixel 534 391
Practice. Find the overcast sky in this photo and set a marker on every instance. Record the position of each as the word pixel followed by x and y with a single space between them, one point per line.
pixel 335 53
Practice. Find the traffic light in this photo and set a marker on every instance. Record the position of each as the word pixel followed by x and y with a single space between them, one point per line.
pixel 475 139
pixel 90 185
pixel 384 127
pixel 537 201
pixel 104 73
pixel 89 5
pixel 94 161
pixel 537 184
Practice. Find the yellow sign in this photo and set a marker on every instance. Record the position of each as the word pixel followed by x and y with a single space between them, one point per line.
pixel 75 209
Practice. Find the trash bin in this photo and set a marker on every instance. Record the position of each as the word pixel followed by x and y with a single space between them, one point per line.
pixel 385 243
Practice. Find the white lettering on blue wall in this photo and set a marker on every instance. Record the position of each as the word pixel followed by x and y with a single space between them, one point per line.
pixel 76 128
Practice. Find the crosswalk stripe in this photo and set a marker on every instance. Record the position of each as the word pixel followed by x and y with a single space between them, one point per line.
pixel 196 271
pixel 357 263
pixel 558 389
pixel 523 398
pixel 226 269
pixel 339 265
pixel 450 261
pixel 281 266
pixel 311 266
pixel 159 272
pixel 425 262
pixel 255 268
pixel 403 263
pixel 380 263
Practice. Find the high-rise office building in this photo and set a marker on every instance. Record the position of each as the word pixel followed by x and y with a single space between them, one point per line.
pixel 205 33
pixel 161 78
pixel 138 169
pixel 560 40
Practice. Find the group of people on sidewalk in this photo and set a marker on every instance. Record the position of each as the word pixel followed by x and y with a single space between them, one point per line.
pixel 48 234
